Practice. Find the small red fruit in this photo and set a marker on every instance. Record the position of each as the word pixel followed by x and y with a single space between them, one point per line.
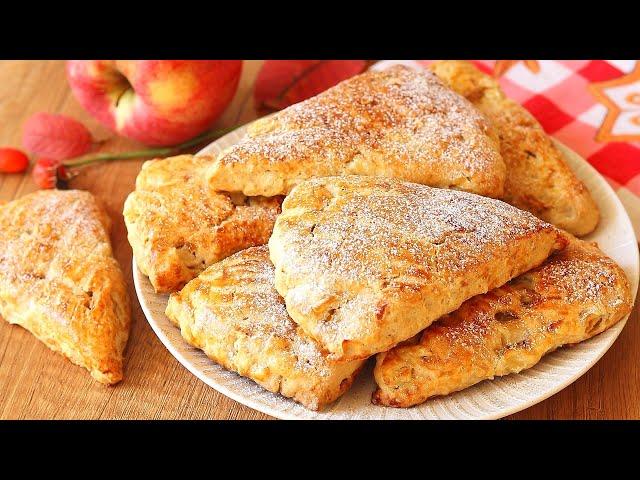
pixel 47 173
pixel 12 160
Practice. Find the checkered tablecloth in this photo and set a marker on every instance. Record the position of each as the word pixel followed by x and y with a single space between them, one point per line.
pixel 592 106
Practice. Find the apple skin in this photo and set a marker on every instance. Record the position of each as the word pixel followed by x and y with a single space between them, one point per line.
pixel 157 102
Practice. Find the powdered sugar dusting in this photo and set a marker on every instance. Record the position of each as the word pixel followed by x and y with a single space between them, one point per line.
pixel 43 236
pixel 248 304
pixel 177 226
pixel 579 278
pixel 381 223
pixel 418 125
pixel 582 276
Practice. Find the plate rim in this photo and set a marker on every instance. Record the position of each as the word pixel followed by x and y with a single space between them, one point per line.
pixel 138 276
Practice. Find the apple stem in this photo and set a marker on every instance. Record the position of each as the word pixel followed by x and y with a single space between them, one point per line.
pixel 149 152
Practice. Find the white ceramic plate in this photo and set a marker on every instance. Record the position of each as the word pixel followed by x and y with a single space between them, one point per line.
pixel 487 400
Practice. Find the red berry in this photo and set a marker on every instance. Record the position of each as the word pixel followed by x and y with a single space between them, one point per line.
pixel 12 160
pixel 47 172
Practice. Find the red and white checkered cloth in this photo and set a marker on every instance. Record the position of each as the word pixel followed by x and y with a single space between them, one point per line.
pixel 592 106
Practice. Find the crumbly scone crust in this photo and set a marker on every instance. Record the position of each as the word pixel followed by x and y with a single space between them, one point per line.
pixel 538 179
pixel 177 227
pixel 233 313
pixel 576 294
pixel 364 263
pixel 59 280
pixel 395 123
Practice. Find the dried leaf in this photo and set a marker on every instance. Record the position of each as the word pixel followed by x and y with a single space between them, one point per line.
pixel 55 136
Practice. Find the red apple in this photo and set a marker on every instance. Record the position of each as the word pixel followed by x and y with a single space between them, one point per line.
pixel 157 102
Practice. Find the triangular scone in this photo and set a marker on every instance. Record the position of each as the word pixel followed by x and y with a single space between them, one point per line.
pixel 364 263
pixel 233 313
pixel 59 280
pixel 538 179
pixel 574 295
pixel 177 227
pixel 397 123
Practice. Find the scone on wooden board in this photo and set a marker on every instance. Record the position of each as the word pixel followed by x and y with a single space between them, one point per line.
pixel 177 227
pixel 364 263
pixel 59 280
pixel 397 123
pixel 233 313
pixel 576 294
pixel 538 179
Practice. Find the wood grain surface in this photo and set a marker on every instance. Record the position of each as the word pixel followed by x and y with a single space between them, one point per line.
pixel 36 383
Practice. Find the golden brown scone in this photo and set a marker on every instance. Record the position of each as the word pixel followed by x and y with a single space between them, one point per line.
pixel 364 262
pixel 396 123
pixel 177 227
pixel 538 179
pixel 59 280
pixel 233 313
pixel 574 295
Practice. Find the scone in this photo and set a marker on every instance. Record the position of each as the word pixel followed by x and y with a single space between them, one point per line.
pixel 575 295
pixel 233 313
pixel 177 227
pixel 59 280
pixel 538 179
pixel 364 263
pixel 397 123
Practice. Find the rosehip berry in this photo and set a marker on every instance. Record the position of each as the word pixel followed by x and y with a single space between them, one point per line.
pixel 48 173
pixel 12 160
